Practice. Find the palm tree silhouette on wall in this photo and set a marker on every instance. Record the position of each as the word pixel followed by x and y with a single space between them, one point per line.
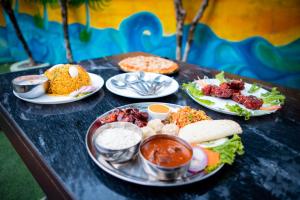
pixel 64 4
pixel 39 21
pixel 86 33
pixel 7 7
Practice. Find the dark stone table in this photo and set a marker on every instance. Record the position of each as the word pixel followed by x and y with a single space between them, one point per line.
pixel 51 141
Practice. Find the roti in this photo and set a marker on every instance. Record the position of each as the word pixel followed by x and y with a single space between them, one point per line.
pixel 148 64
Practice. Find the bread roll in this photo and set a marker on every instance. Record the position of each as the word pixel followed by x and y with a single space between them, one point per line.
pixel 207 130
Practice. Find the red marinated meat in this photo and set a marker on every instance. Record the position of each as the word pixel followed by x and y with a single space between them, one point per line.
pixel 132 115
pixel 221 92
pixel 236 85
pixel 252 102
pixel 218 91
pixel 239 98
pixel 206 90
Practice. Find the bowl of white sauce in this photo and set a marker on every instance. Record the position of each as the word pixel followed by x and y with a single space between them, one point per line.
pixel 30 86
pixel 118 142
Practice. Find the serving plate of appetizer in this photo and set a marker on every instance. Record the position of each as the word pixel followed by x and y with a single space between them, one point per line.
pixel 142 85
pixel 59 84
pixel 234 97
pixel 162 144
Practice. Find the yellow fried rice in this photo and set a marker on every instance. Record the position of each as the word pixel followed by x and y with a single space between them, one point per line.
pixel 62 83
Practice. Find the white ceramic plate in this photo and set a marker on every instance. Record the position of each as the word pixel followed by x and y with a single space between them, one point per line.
pixel 172 88
pixel 219 104
pixel 97 82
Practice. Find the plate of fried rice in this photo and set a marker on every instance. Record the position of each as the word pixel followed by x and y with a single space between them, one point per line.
pixel 67 83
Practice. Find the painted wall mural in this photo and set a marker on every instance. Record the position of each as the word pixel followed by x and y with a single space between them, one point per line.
pixel 259 39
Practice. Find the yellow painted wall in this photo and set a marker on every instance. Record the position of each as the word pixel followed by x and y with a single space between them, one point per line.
pixel 276 20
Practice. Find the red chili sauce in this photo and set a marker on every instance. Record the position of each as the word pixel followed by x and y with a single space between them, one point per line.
pixel 166 152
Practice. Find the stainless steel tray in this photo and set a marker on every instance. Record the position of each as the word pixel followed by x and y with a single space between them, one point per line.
pixel 133 171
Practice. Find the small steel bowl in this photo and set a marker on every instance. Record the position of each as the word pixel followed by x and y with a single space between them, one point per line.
pixel 118 155
pixel 161 172
pixel 30 86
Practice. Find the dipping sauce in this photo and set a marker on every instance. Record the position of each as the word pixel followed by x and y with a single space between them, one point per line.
pixel 166 152
pixel 159 108
pixel 117 138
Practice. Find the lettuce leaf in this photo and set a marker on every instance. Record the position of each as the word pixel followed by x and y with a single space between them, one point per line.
pixel 196 93
pixel 220 77
pixel 191 87
pixel 229 149
pixel 239 110
pixel 253 88
pixel 274 97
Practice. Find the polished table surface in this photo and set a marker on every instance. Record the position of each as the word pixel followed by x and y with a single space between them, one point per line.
pixel 51 141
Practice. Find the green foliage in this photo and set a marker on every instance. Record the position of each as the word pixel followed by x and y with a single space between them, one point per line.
pixel 274 97
pixel 85 35
pixel 239 110
pixel 192 89
pixel 227 152
pixel 94 4
pixel 254 88
pixel 38 21
pixel 229 149
pixel 220 77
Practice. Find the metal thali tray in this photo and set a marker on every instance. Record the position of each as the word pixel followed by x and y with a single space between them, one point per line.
pixel 132 171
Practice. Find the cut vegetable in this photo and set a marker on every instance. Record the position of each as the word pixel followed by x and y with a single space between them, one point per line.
pixel 199 160
pixel 213 158
pixel 270 108
pixel 213 143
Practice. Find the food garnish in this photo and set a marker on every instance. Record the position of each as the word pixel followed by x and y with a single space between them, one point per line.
pixel 229 149
pixel 84 90
pixel 208 130
pixel 186 115
pixel 192 89
pixel 239 110
pixel 273 97
pixel 213 143
pixel 213 160
pixel 254 88
pixel 271 108
pixel 220 77
pixel 199 160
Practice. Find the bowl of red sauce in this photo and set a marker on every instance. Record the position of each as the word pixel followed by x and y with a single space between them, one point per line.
pixel 165 157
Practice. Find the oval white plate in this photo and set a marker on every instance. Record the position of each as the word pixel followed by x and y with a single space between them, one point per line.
pixel 172 88
pixel 219 105
pixel 97 82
